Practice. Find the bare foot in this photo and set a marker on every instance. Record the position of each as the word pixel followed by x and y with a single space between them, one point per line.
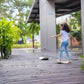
pixel 58 60
pixel 69 61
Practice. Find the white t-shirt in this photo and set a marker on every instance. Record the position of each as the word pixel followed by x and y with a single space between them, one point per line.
pixel 65 35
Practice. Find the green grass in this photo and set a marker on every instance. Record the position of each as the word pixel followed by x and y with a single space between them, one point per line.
pixel 82 66
pixel 29 45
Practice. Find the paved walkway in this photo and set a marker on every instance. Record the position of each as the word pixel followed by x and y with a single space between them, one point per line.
pixel 24 67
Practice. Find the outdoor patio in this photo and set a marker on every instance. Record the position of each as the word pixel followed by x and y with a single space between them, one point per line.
pixel 24 67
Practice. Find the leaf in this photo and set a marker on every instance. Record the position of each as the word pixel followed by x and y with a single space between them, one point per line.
pixel 81 56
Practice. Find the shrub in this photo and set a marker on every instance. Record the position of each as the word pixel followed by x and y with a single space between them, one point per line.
pixel 9 34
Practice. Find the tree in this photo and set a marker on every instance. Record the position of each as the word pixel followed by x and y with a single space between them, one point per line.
pixel 22 25
pixel 33 28
pixel 13 8
pixel 76 20
pixel 9 34
pixel 16 10
pixel 77 17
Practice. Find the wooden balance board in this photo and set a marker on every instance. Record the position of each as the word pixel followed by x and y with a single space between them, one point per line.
pixel 43 58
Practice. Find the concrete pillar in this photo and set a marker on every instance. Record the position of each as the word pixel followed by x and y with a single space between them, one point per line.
pixel 82 20
pixel 47 25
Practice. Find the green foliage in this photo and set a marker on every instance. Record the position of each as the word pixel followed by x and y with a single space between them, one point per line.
pixel 58 28
pixel 72 23
pixel 22 25
pixel 77 34
pixel 9 34
pixel 76 20
pixel 58 32
pixel 81 56
pixel 8 8
pixel 82 66
pixel 77 17
pixel 17 10
pixel 33 28
pixel 28 29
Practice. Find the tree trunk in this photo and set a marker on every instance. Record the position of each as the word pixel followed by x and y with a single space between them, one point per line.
pixel 6 55
pixel 33 40
pixel 22 41
pixel 2 53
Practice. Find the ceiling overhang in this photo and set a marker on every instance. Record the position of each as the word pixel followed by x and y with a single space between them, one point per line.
pixel 62 7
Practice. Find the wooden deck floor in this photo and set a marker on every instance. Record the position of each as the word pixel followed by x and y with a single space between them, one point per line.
pixel 26 68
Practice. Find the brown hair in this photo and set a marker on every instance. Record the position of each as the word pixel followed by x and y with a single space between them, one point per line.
pixel 66 27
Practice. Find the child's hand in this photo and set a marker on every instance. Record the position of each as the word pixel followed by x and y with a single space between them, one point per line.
pixel 51 37
pixel 73 39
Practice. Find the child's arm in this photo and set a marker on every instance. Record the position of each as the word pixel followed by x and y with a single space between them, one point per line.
pixel 56 35
pixel 71 37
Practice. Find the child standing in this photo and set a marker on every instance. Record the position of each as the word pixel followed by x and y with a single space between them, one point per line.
pixel 65 33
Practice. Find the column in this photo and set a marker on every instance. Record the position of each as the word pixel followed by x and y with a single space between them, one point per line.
pixel 47 25
pixel 82 22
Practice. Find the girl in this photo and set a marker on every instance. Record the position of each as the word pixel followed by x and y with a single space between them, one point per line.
pixel 64 28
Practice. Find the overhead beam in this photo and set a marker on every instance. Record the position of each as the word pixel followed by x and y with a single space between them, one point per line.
pixel 66 3
pixel 61 14
pixel 71 7
pixel 32 17
pixel 62 8
pixel 58 12
pixel 35 8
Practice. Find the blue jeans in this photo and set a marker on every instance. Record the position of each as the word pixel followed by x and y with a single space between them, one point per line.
pixel 64 46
